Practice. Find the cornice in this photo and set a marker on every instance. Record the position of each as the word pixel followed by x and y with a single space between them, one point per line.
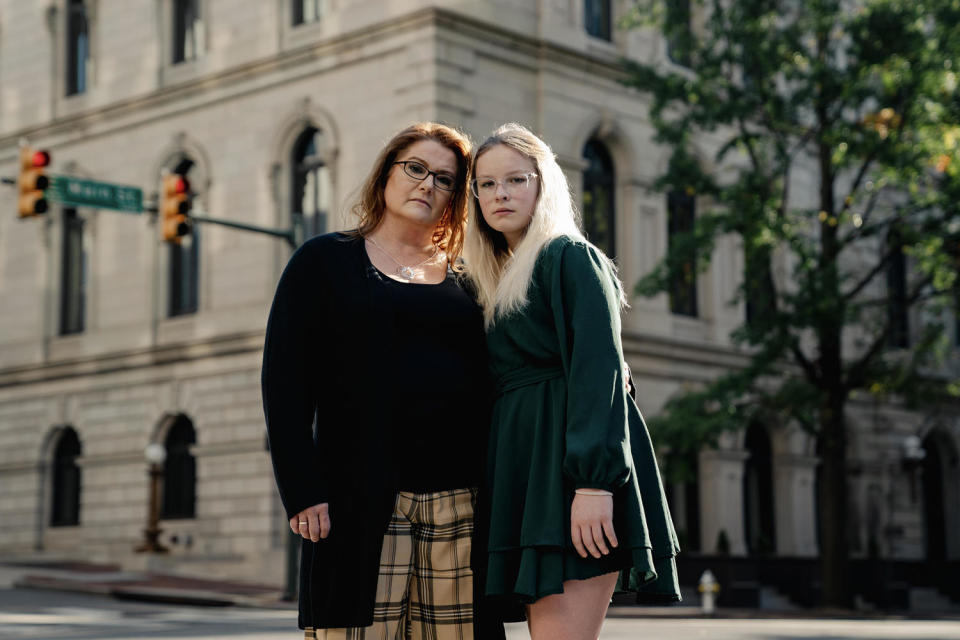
pixel 111 363
pixel 306 60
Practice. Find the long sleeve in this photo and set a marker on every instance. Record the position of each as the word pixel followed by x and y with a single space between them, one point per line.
pixel 585 305
pixel 289 383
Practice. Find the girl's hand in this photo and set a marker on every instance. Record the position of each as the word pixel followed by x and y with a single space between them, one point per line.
pixel 591 517
pixel 313 522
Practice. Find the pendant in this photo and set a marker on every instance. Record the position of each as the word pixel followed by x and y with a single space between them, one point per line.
pixel 406 272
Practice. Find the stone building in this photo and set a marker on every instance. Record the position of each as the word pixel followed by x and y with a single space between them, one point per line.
pixel 111 339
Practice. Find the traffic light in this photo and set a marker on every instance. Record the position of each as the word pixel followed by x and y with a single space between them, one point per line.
pixel 32 182
pixel 175 207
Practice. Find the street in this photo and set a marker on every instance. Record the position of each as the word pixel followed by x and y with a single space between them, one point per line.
pixel 45 615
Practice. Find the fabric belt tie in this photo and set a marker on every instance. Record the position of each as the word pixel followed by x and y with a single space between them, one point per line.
pixel 524 377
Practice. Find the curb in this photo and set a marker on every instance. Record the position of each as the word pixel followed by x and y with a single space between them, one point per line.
pixel 190 597
pixel 160 595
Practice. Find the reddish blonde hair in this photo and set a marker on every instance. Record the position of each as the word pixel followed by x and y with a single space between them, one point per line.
pixel 370 206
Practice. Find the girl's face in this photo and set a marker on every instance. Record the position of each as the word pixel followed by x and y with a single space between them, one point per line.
pixel 506 186
pixel 421 201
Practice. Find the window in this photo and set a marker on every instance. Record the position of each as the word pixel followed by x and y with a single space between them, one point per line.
pixel 184 260
pixel 937 472
pixel 596 18
pixel 185 275
pixel 66 481
pixel 187 30
pixel 74 275
pixel 760 292
pixel 78 47
pixel 683 496
pixel 681 213
pixel 956 321
pixel 599 213
pixel 679 34
pixel 311 182
pixel 179 472
pixel 899 335
pixel 306 11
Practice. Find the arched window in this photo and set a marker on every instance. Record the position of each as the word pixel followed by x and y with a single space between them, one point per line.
pixel 184 260
pixel 311 182
pixel 179 471
pixel 758 492
pixel 599 210
pixel 66 480
pixel 78 47
pixel 681 214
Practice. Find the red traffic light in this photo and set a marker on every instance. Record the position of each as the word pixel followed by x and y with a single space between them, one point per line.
pixel 32 182
pixel 174 206
pixel 40 159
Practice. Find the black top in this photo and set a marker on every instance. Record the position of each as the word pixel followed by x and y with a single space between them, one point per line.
pixel 439 414
pixel 331 354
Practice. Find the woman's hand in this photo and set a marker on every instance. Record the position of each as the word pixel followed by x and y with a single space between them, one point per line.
pixel 313 522
pixel 591 517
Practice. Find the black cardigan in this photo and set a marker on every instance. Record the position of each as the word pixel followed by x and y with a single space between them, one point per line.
pixel 329 341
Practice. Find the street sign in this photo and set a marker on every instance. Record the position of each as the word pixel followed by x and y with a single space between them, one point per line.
pixel 79 192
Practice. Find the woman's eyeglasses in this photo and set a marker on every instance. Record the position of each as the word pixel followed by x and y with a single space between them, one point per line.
pixel 485 188
pixel 417 171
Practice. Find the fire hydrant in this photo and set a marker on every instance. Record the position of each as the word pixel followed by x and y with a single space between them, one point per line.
pixel 709 587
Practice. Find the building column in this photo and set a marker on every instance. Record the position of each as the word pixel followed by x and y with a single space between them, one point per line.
pixel 721 499
pixel 795 503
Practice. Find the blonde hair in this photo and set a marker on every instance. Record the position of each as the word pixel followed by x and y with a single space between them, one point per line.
pixel 501 276
pixel 370 205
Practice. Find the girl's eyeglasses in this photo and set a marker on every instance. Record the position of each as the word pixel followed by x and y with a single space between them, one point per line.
pixel 514 184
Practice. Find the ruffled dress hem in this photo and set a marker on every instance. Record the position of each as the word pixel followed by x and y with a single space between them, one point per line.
pixel 526 574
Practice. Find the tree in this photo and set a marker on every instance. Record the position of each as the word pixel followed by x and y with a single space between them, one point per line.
pixel 861 98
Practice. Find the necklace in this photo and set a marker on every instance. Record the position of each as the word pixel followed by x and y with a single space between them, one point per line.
pixel 403 270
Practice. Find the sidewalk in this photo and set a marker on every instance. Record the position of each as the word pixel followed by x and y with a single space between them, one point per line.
pixel 110 580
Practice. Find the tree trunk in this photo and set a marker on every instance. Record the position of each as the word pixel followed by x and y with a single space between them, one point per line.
pixel 835 582
pixel 832 499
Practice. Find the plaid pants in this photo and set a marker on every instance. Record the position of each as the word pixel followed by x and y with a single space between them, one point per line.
pixel 425 588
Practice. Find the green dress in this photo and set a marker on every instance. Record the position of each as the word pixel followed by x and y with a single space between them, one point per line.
pixel 563 420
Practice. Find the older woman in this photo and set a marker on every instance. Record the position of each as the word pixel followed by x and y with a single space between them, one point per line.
pixel 375 395
pixel 576 498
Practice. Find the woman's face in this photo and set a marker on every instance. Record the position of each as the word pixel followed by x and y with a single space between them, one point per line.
pixel 506 187
pixel 420 201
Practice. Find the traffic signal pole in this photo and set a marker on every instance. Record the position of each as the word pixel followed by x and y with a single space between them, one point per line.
pixel 293 235
pixel 177 217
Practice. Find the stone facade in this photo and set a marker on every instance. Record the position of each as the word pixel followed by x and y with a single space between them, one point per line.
pixel 361 72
